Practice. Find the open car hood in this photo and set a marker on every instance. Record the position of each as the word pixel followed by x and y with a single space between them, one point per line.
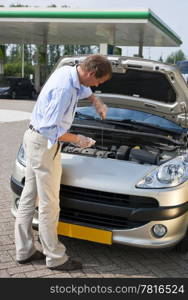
pixel 143 85
pixel 176 112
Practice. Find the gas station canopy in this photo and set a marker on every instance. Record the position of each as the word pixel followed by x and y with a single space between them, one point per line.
pixel 63 26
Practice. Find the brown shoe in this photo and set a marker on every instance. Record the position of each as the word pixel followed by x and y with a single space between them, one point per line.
pixel 36 256
pixel 69 265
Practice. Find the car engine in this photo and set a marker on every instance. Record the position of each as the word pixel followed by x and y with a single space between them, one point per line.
pixel 121 153
pixel 137 154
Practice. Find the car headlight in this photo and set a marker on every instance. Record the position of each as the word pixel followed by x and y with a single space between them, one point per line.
pixel 170 174
pixel 4 92
pixel 21 156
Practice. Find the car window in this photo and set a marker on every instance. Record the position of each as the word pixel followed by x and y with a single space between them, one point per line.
pixel 144 84
pixel 118 114
pixel 25 82
pixel 4 82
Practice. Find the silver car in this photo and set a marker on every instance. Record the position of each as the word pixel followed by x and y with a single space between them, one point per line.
pixel 132 186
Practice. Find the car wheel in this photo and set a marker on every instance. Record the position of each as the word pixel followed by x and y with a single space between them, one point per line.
pixel 182 247
pixel 13 95
pixel 33 95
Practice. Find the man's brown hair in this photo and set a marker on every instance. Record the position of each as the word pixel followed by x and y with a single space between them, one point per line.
pixel 97 63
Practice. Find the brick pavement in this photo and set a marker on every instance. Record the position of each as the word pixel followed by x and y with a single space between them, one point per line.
pixel 100 261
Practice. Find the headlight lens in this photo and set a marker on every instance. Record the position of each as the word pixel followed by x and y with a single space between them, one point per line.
pixel 4 91
pixel 21 156
pixel 170 174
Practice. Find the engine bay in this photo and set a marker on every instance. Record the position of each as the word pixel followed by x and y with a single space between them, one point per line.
pixel 137 149
pixel 136 154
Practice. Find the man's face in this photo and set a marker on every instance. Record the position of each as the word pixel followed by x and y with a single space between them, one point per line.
pixel 91 80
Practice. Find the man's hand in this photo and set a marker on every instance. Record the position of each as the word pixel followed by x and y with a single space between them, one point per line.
pixel 84 141
pixel 77 139
pixel 100 107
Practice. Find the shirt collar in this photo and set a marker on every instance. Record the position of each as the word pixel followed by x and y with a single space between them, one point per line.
pixel 75 78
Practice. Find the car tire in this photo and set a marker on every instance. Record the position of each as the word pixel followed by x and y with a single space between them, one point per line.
pixel 13 95
pixel 33 95
pixel 182 247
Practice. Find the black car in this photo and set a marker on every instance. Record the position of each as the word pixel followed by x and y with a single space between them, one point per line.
pixel 16 87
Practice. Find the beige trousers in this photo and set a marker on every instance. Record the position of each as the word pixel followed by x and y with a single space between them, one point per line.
pixel 43 175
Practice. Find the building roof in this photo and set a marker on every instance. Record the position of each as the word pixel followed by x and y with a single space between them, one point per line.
pixel 85 27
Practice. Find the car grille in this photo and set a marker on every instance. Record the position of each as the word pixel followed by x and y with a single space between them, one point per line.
pixel 87 217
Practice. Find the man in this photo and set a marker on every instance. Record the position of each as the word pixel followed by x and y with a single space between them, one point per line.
pixel 51 119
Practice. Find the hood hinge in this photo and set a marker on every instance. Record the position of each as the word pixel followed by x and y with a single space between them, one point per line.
pixel 183 117
pixel 183 107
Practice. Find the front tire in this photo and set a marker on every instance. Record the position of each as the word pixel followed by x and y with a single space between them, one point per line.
pixel 13 95
pixel 33 95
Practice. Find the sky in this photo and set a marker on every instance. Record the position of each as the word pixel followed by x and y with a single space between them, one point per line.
pixel 172 12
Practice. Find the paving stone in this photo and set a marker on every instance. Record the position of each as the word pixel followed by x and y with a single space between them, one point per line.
pixel 90 273
pixel 77 274
pixel 20 269
pixel 4 274
pixel 6 247
pixel 5 240
pixel 59 275
pixel 39 273
pixel 18 275
pixel 8 265
pixel 5 257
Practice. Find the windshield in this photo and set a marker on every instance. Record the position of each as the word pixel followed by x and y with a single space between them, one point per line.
pixel 183 67
pixel 120 114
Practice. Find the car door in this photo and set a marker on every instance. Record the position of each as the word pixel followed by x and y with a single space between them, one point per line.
pixel 17 87
pixel 23 87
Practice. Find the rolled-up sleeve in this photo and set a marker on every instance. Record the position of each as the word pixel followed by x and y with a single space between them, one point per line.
pixel 85 92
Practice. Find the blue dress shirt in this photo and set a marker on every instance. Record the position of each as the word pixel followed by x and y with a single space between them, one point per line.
pixel 54 110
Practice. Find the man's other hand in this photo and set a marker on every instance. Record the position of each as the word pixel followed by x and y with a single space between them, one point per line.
pixel 100 107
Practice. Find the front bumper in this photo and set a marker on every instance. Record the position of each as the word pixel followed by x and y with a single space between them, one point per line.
pixel 129 213
pixel 117 224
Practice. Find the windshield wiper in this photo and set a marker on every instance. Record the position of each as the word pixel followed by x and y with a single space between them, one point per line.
pixel 128 123
pixel 85 116
pixel 113 122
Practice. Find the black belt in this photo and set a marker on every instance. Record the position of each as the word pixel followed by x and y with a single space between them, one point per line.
pixel 32 128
